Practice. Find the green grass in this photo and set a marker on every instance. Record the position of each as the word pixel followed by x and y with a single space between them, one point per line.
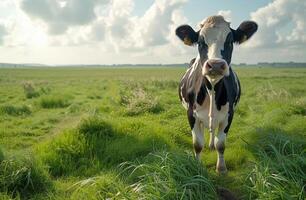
pixel 50 102
pixel 15 110
pixel 23 178
pixel 121 133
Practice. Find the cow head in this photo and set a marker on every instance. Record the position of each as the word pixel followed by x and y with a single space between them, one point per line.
pixel 215 42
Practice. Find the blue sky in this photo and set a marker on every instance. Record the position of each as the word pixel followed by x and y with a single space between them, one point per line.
pixel 142 31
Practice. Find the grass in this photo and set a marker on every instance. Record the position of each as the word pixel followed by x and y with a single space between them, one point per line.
pixel 23 178
pixel 50 102
pixel 139 101
pixel 121 133
pixel 15 110
pixel 160 176
pixel 280 170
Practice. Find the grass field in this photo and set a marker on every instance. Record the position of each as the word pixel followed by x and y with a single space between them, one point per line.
pixel 121 133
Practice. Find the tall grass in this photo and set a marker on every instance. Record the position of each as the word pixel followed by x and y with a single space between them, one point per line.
pixel 280 171
pixel 15 110
pixel 23 178
pixel 160 175
pixel 31 91
pixel 167 175
pixel 95 144
pixel 104 186
pixel 139 101
pixel 53 101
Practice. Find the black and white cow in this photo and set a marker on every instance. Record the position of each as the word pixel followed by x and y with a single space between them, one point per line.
pixel 210 89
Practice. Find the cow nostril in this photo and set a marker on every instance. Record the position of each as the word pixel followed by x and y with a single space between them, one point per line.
pixel 209 66
pixel 223 67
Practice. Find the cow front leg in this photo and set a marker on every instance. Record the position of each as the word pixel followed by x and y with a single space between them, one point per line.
pixel 197 138
pixel 197 133
pixel 220 147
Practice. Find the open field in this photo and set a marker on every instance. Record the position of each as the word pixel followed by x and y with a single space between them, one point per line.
pixel 121 133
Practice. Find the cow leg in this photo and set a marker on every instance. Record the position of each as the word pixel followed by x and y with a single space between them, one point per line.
pixel 220 147
pixel 197 138
pixel 197 132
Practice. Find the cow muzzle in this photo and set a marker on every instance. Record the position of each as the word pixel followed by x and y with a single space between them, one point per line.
pixel 215 69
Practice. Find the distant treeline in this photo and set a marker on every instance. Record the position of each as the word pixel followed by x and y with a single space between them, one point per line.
pixel 274 64
pixel 260 64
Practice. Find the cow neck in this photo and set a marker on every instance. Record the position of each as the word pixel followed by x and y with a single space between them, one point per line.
pixel 216 92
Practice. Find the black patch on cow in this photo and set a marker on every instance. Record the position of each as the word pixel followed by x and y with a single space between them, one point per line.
pixel 230 119
pixel 207 83
pixel 245 29
pixel 202 94
pixel 197 148
pixel 202 48
pixel 220 94
pixel 191 118
pixel 233 95
pixel 186 33
pixel 228 48
pixel 220 148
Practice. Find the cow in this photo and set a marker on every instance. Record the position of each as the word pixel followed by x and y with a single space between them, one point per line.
pixel 210 89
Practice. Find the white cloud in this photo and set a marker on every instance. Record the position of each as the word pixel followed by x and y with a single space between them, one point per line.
pixel 101 30
pixel 61 14
pixel 93 22
pixel 227 14
pixel 3 32
pixel 274 21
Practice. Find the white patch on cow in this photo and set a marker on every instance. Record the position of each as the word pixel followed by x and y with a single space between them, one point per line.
pixel 215 35
pixel 202 112
pixel 184 103
pixel 214 80
pixel 198 137
pixel 195 77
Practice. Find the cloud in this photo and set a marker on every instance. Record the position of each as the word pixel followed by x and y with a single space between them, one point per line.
pixel 3 32
pixel 154 26
pixel 108 23
pixel 281 24
pixel 227 14
pixel 61 14
pixel 131 33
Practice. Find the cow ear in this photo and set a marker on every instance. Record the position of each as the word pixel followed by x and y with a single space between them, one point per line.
pixel 245 31
pixel 187 34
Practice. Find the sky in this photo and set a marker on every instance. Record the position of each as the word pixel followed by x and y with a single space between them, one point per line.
pixel 59 32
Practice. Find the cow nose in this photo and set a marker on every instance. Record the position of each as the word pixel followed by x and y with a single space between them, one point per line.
pixel 217 65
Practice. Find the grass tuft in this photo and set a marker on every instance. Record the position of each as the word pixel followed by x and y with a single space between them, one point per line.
pixel 169 176
pixel 95 144
pixel 106 186
pixel 280 170
pixel 31 91
pixel 139 102
pixel 23 178
pixel 53 102
pixel 15 110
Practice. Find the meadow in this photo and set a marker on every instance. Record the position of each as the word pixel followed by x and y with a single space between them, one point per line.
pixel 122 133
